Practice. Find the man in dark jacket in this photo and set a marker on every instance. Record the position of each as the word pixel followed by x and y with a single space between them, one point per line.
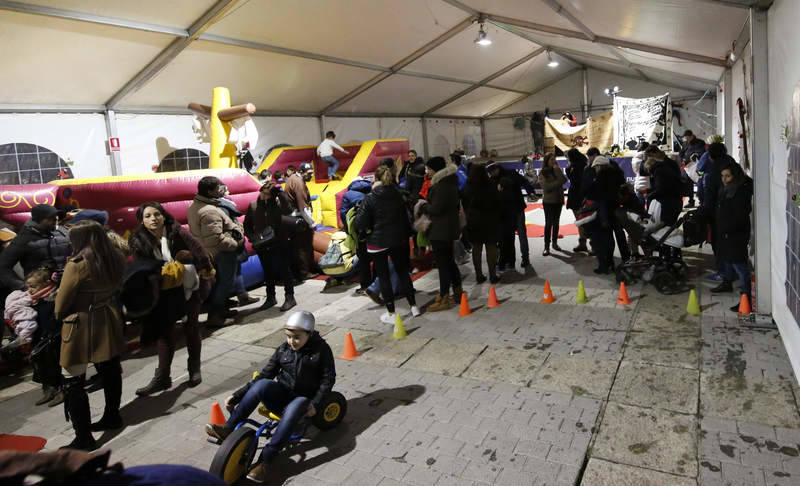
pixel 693 148
pixel 604 190
pixel 40 243
pixel 413 173
pixel 305 373
pixel 574 171
pixel 267 211
pixel 665 184
pixel 717 157
pixel 496 172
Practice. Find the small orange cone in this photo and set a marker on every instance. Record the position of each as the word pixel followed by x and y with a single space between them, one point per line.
pixel 464 309
pixel 548 294
pixel 217 417
pixel 744 306
pixel 623 295
pixel 349 348
pixel 493 302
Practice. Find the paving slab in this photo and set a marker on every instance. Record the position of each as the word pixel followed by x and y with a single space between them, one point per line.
pixel 507 365
pixel 575 375
pixel 443 357
pixel 278 337
pixel 736 397
pixel 336 339
pixel 249 332
pixel 683 324
pixel 648 438
pixel 648 385
pixel 603 473
pixel 667 349
pixel 383 349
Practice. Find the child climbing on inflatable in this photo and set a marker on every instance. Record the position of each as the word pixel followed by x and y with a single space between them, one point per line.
pixel 305 373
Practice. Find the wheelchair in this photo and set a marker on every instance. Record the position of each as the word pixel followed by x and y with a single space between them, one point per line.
pixel 236 453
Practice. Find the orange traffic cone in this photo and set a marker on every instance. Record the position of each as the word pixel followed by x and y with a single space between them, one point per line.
pixel 217 417
pixel 623 295
pixel 350 351
pixel 493 302
pixel 744 306
pixel 548 294
pixel 464 309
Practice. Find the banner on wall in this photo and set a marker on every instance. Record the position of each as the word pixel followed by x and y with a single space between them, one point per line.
pixel 639 120
pixel 598 132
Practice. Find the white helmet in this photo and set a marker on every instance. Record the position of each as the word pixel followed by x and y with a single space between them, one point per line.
pixel 302 320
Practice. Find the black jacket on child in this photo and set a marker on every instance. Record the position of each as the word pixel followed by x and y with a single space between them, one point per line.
pixel 308 372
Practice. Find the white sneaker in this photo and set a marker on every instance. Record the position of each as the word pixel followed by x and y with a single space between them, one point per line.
pixel 415 312
pixel 388 318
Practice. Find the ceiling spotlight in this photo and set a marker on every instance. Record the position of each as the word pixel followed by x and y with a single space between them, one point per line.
pixel 482 39
pixel 612 91
pixel 552 62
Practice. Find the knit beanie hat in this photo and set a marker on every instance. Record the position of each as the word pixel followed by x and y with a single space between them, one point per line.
pixel 601 160
pixel 436 163
pixel 91 214
pixel 42 211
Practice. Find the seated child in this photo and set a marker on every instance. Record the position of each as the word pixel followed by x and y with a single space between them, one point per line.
pixel 305 373
pixel 19 311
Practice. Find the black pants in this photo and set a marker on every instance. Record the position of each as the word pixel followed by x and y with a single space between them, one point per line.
pixel 364 271
pixel 303 255
pixel 275 264
pixel 400 259
pixel 622 241
pixel 448 270
pixel 552 214
pixel 507 250
pixel 603 246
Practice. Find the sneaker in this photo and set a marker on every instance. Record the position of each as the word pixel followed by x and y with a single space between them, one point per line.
pixel 219 432
pixel 375 297
pixel 714 277
pixel 107 423
pixel 87 444
pixel 546 252
pixel 724 286
pixel 493 279
pixel 258 474
pixel 415 312
pixel 388 318
pixel 360 291
pixel 245 299
pixel 480 278
pixel 525 263
pixel 580 248
pixel 556 247
pixel 441 304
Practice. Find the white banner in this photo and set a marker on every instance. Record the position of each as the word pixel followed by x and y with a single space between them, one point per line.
pixel 643 120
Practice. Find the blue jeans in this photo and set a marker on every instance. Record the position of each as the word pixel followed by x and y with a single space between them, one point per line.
pixel 279 401
pixel 333 165
pixel 730 271
pixel 226 265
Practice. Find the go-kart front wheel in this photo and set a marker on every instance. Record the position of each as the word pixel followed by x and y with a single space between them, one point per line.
pixel 234 456
pixel 331 411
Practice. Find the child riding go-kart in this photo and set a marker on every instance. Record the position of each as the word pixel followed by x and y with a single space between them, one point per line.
pixel 302 393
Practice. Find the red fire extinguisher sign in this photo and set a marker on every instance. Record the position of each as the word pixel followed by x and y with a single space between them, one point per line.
pixel 114 144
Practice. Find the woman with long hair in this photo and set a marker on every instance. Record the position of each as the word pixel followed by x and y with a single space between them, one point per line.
pixel 552 181
pixel 384 215
pixel 158 239
pixel 482 207
pixel 92 329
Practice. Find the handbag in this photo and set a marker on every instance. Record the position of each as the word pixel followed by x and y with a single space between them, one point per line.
pixel 266 239
pixel 172 275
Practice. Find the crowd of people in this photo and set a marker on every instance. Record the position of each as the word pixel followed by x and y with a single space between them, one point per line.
pixel 77 282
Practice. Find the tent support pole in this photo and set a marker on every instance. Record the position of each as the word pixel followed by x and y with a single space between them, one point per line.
pixel 321 120
pixel 115 157
pixel 760 144
pixel 425 137
pixel 483 135
pixel 585 107
pixel 727 118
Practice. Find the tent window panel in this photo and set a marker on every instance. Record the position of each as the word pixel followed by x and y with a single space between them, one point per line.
pixel 27 163
pixel 183 159
pixel 9 178
pixel 30 177
pixel 50 175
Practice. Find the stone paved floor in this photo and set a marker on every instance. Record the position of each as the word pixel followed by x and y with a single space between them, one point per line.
pixel 527 393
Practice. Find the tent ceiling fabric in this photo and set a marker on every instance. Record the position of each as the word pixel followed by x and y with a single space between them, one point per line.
pixel 351 29
pixel 271 81
pixel 49 60
pixel 377 34
pixel 173 13
pixel 402 94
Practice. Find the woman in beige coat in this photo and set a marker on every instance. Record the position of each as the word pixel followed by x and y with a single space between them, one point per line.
pixel 92 329
pixel 552 180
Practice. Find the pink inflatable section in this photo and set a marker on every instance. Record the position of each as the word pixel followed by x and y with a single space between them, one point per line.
pixel 16 201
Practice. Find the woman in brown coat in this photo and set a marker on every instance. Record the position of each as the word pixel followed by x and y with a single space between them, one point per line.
pixel 92 330
pixel 552 180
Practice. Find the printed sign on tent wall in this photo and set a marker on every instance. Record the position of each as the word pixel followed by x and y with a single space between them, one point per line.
pixel 793 210
pixel 639 120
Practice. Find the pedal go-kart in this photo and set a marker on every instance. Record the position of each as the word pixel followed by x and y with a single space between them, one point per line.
pixel 235 455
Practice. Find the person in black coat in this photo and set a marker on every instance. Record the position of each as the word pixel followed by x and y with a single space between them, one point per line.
pixel 496 172
pixel 383 216
pixel 574 171
pixel 712 183
pixel 413 172
pixel 293 384
pixel 665 184
pixel 604 190
pixel 734 204
pixel 693 148
pixel 40 244
pixel 482 207
pixel 445 228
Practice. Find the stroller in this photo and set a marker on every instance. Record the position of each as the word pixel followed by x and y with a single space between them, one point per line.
pixel 662 264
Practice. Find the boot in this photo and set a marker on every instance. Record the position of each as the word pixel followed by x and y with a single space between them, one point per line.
pixel 288 303
pixel 724 286
pixel 48 392
pixel 161 381
pixel 58 398
pixel 76 410
pixel 112 392
pixel 245 299
pixel 195 378
pixel 441 304
pixel 269 303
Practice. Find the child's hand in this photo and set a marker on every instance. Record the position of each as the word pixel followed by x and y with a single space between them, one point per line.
pixel 311 410
pixel 230 403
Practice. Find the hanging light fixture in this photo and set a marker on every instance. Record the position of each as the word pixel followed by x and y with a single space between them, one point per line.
pixel 552 62
pixel 482 39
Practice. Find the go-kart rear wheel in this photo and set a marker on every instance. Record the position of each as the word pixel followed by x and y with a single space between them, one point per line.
pixel 331 411
pixel 234 456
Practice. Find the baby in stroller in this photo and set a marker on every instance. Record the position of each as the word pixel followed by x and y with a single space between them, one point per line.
pixel 662 263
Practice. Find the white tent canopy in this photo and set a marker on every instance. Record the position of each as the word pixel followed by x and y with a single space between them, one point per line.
pixel 323 57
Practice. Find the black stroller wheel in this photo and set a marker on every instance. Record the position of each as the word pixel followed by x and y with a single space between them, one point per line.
pixel 665 282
